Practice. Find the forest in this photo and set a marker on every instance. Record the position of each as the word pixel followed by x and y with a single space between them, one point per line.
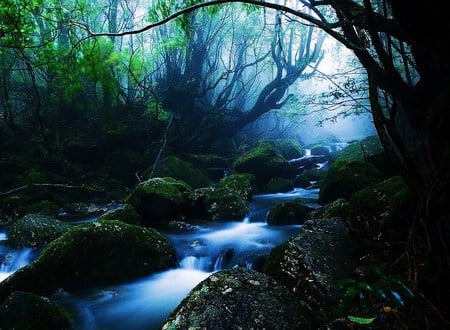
pixel 224 164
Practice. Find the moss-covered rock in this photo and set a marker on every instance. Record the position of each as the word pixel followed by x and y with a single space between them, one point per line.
pixel 26 311
pixel 238 299
pixel 44 207
pixel 264 162
pixel 311 264
pixel 213 166
pixel 35 231
pixel 34 175
pixel 378 209
pixel 344 178
pixel 158 200
pixel 99 253
pixel 305 178
pixel 288 148
pixel 288 213
pixel 225 204
pixel 125 213
pixel 338 208
pixel 276 185
pixel 240 183
pixel 181 227
pixel 320 150
pixel 181 170
pixel 359 151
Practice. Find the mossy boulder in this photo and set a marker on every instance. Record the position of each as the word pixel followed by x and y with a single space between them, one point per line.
pixel 35 231
pixel 371 150
pixel 311 264
pixel 360 150
pixel 288 148
pixel 125 213
pixel 98 253
pixel 158 200
pixel 181 170
pixel 338 208
pixel 212 165
pixel 288 213
pixel 380 208
pixel 320 150
pixel 241 183
pixel 276 185
pixel 344 178
pixel 26 311
pixel 264 162
pixel 225 204
pixel 238 299
pixel 305 178
pixel 34 175
pixel 44 207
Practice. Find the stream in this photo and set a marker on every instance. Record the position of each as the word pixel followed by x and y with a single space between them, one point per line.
pixel 145 303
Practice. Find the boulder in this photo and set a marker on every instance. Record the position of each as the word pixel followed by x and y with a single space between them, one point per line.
pixel 98 253
pixel 288 213
pixel 24 310
pixel 276 185
pixel 35 231
pixel 158 200
pixel 345 178
pixel 125 213
pixel 238 298
pixel 225 204
pixel 264 162
pixel 240 183
pixel 338 208
pixel 311 264
pixel 181 170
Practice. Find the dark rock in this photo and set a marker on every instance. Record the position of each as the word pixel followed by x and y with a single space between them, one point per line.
pixel 23 310
pixel 345 178
pixel 158 200
pixel 35 231
pixel 98 253
pixel 125 213
pixel 240 183
pixel 181 227
pixel 276 185
pixel 338 208
pixel 311 263
pixel 238 299
pixel 225 204
pixel 288 213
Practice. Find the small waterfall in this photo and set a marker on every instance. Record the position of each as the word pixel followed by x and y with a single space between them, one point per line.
pixel 14 260
pixel 308 152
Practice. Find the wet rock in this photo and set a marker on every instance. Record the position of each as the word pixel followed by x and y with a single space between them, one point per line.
pixel 23 310
pixel 345 178
pixel 35 231
pixel 276 185
pixel 288 213
pixel 242 183
pixel 225 204
pixel 238 298
pixel 158 200
pixel 98 253
pixel 181 170
pixel 181 227
pixel 337 208
pixel 125 213
pixel 264 162
pixel 311 263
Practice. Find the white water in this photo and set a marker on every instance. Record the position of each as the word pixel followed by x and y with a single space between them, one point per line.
pixel 12 260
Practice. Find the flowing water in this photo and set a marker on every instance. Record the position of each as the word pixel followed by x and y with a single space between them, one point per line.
pixel 146 302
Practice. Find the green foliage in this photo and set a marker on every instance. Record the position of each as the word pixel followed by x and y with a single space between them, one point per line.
pixel 361 320
pixel 375 287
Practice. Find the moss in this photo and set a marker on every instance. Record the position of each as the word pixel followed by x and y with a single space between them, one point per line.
pixel 35 231
pixel 288 148
pixel 158 200
pixel 240 183
pixel 381 208
pixel 225 204
pixel 23 310
pixel 182 170
pixel 320 149
pixel 34 176
pixel 264 162
pixel 354 152
pixel 126 213
pixel 276 185
pixel 98 253
pixel 44 207
pixel 344 178
pixel 288 213
pixel 337 208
